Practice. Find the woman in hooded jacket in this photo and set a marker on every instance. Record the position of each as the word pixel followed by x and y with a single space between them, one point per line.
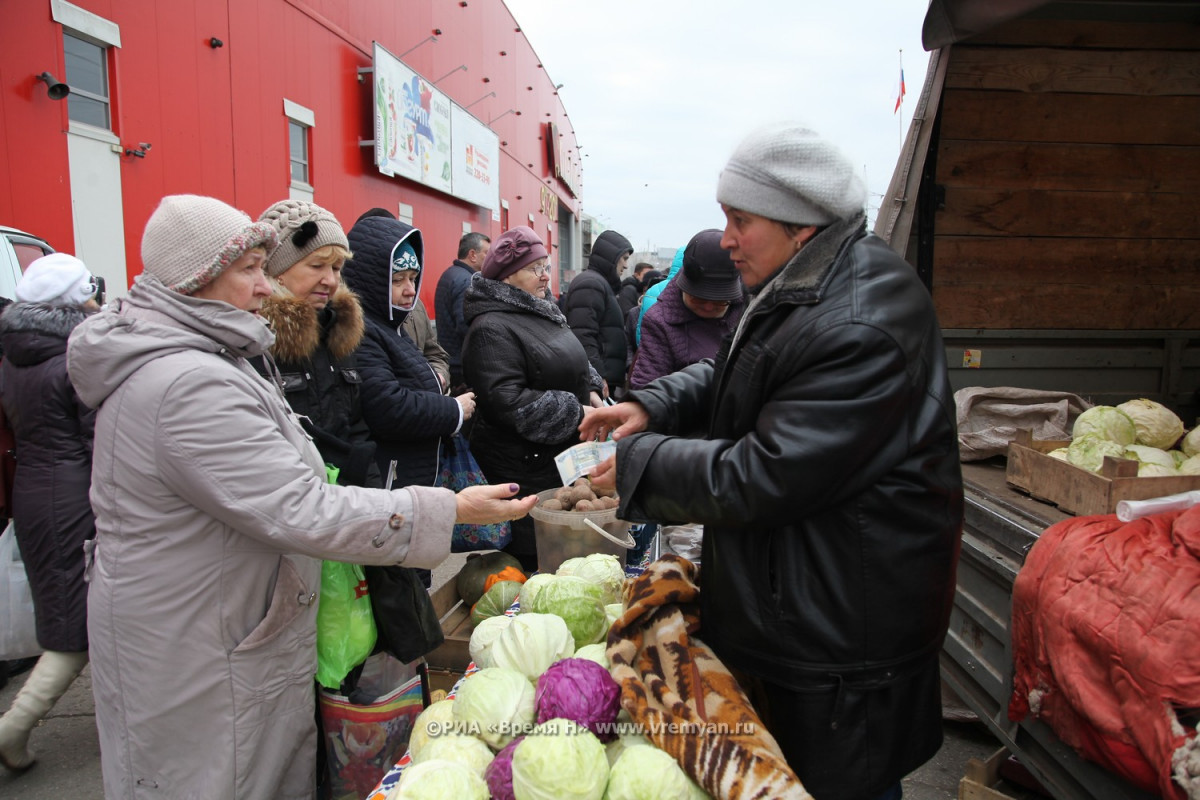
pixel 402 400
pixel 51 513
pixel 534 380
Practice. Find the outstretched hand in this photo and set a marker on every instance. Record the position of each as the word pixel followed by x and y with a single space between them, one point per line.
pixel 487 505
pixel 603 477
pixel 620 420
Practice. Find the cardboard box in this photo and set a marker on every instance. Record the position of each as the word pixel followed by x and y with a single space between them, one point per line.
pixel 1074 489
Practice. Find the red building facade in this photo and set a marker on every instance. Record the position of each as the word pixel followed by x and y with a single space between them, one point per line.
pixel 252 101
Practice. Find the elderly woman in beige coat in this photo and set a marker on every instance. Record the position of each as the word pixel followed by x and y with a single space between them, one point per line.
pixel 212 515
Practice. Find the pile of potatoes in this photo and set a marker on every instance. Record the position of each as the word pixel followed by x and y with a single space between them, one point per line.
pixel 580 496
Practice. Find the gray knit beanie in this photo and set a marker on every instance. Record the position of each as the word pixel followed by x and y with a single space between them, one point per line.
pixel 787 172
pixel 303 228
pixel 189 240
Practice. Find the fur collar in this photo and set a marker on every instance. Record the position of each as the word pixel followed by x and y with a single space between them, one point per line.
pixel 298 327
pixel 41 318
pixel 484 294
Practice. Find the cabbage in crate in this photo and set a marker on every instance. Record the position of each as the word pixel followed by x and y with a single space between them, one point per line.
pixel 1105 422
pixel 1156 425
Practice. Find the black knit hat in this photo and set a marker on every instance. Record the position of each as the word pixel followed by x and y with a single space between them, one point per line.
pixel 708 272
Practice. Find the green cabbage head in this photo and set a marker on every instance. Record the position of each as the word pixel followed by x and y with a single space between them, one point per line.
pixel 1106 422
pixel 559 760
pixel 438 779
pixel 1157 425
pixel 1088 451
pixel 532 643
pixel 579 602
pixel 495 704
pixel 643 772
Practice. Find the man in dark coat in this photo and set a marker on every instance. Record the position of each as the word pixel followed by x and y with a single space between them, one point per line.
pixel 593 312
pixel 448 300
pixel 820 453
pixel 632 287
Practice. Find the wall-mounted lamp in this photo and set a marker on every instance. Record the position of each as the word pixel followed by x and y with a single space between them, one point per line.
pixel 486 96
pixel 437 31
pixel 503 52
pixel 418 44
pixel 506 113
pixel 140 152
pixel 214 43
pixel 364 71
pixel 462 67
pixel 557 86
pixel 54 87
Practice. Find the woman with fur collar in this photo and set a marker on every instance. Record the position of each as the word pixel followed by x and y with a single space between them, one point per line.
pixel 318 325
pixel 51 513
pixel 532 376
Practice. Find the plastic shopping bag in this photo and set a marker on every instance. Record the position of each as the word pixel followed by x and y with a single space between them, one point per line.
pixel 460 470
pixel 345 623
pixel 368 732
pixel 18 630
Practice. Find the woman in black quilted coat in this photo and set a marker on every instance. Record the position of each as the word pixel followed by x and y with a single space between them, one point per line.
pixel 51 513
pixel 532 375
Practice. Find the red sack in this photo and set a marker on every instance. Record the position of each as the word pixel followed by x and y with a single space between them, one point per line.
pixel 1105 644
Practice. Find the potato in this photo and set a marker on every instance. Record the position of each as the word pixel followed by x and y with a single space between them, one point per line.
pixel 553 504
pixel 564 496
pixel 581 482
pixel 584 505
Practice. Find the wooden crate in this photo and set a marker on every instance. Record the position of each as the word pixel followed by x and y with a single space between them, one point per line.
pixel 981 777
pixel 1077 491
pixel 453 655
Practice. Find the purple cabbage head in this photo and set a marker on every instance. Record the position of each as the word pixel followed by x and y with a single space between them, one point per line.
pixel 499 773
pixel 579 689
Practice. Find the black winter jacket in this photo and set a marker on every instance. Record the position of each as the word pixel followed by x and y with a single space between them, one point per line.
pixel 593 312
pixel 402 401
pixel 53 430
pixel 826 475
pixel 315 364
pixel 531 377
pixel 628 294
pixel 448 309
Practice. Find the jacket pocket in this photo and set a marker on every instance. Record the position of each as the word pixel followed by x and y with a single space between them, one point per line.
pixel 293 382
pixel 291 598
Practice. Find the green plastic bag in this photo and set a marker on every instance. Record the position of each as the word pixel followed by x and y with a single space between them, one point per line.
pixel 345 624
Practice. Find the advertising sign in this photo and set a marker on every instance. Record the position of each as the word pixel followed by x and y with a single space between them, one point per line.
pixel 412 124
pixel 476 160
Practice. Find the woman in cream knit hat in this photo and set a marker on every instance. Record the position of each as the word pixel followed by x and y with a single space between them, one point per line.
pixel 820 454
pixel 212 516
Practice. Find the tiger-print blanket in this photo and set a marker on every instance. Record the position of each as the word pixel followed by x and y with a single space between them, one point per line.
pixel 684 698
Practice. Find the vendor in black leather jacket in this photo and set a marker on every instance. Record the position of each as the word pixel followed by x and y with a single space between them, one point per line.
pixel 819 451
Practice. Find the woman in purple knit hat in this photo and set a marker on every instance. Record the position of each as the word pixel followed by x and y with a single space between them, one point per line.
pixel 532 377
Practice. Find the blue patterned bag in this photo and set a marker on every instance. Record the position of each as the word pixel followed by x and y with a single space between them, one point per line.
pixel 460 470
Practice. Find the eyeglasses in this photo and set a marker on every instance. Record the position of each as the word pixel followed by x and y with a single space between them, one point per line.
pixel 538 271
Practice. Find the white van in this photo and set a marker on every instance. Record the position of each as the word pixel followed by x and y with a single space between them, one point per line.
pixel 17 250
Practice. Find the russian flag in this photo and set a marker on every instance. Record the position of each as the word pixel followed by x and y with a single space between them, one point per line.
pixel 900 97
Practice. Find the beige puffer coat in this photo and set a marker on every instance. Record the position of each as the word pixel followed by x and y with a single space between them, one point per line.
pixel 212 513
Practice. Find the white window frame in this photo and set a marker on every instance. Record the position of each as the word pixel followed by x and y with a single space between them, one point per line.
pixel 305 118
pixel 83 24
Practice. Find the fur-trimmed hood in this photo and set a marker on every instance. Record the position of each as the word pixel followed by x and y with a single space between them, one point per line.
pixel 484 295
pixel 299 327
pixel 34 332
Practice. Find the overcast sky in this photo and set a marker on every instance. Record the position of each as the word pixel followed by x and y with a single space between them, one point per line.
pixel 661 91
